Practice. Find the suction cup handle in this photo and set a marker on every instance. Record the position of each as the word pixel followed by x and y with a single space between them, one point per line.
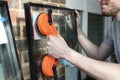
pixel 50 16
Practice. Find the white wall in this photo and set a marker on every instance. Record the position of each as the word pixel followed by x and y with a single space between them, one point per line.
pixel 75 4
pixel 92 6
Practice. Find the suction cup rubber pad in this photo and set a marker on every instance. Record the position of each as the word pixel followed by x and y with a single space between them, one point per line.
pixel 47 65
pixel 44 27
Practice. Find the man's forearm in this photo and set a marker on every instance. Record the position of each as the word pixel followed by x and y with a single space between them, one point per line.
pixel 86 44
pixel 97 69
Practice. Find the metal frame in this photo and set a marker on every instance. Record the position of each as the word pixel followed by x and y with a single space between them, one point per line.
pixel 29 32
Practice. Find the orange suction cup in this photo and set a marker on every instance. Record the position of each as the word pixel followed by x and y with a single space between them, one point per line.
pixel 44 27
pixel 47 65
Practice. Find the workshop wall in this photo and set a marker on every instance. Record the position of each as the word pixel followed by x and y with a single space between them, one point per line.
pixel 16 8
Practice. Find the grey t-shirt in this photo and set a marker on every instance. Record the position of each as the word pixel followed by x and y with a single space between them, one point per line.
pixel 112 38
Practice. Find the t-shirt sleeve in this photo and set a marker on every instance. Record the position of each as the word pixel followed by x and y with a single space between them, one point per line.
pixel 108 40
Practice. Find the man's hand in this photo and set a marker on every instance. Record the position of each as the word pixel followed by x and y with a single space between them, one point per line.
pixel 57 47
pixel 69 22
pixel 78 18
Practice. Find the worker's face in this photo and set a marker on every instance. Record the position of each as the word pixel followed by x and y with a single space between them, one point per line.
pixel 108 7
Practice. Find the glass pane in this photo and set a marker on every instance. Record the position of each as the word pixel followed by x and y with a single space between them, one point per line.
pixel 9 66
pixel 37 47
pixel 63 29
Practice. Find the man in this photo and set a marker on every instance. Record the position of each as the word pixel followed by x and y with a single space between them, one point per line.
pixel 96 68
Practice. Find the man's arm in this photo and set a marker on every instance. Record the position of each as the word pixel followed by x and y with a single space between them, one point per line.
pixel 97 69
pixel 58 48
pixel 93 51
